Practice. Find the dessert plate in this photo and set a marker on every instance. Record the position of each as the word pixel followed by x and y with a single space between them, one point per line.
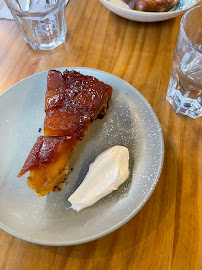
pixel 49 220
pixel 121 9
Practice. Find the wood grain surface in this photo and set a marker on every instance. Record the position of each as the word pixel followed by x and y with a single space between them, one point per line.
pixel 167 232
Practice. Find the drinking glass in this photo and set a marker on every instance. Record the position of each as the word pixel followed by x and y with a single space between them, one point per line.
pixel 42 23
pixel 185 86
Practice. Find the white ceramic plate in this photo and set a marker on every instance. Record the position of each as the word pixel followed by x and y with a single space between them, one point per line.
pixel 49 220
pixel 118 7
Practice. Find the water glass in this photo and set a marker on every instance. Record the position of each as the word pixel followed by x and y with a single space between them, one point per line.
pixel 185 86
pixel 42 23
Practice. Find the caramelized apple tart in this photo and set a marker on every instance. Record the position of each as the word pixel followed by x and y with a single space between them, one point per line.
pixel 72 102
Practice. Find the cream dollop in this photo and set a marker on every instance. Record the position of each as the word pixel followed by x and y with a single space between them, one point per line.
pixel 106 174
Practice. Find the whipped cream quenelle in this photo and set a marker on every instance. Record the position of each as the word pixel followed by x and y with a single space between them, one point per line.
pixel 106 174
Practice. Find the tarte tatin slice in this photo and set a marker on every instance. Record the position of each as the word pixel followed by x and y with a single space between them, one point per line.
pixel 72 102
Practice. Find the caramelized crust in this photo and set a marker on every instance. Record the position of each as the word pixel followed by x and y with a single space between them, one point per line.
pixel 47 161
pixel 46 151
pixel 72 102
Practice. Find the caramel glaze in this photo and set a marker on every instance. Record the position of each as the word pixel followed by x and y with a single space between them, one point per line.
pixel 73 101
pixel 151 5
pixel 47 163
pixel 46 151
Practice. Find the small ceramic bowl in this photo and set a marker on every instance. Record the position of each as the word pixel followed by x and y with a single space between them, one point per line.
pixel 118 7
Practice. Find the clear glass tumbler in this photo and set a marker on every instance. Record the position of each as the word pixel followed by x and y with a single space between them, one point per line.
pixel 185 86
pixel 42 23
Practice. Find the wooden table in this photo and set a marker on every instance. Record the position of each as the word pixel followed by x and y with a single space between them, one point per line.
pixel 167 232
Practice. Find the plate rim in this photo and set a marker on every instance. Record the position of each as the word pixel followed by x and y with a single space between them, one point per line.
pixel 130 216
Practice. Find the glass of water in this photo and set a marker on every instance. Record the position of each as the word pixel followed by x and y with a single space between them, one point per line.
pixel 42 23
pixel 185 86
